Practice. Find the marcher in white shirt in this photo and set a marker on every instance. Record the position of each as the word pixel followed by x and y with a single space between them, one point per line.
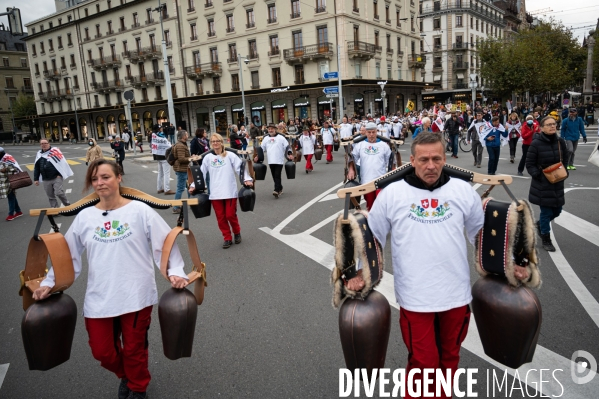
pixel 346 130
pixel 396 128
pixel 224 167
pixel 123 238
pixel 383 128
pixel 427 215
pixel 328 138
pixel 278 150
pixel 307 142
pixel 373 158
pixel 159 144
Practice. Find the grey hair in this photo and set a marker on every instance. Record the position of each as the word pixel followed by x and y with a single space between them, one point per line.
pixel 426 138
pixel 425 120
pixel 181 134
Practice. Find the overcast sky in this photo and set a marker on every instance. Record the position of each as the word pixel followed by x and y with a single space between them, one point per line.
pixel 577 14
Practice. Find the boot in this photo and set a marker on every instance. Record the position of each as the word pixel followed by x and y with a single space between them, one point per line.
pixel 547 244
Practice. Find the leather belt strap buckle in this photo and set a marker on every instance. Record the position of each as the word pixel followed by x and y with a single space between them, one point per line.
pixel 198 273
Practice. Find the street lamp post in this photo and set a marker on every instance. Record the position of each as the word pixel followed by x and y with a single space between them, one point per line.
pixel 167 73
pixel 14 125
pixel 473 86
pixel 383 95
pixel 241 84
pixel 75 104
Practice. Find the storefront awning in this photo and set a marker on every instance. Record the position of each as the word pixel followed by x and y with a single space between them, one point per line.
pixel 237 108
pixel 460 76
pixel 278 104
pixel 257 106
pixel 220 109
pixel 436 78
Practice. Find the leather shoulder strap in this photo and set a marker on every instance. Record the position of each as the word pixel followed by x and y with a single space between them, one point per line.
pixel 198 271
pixel 55 246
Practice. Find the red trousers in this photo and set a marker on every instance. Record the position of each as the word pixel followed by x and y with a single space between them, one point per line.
pixel 226 214
pixel 121 345
pixel 370 197
pixel 434 340
pixel 309 162
pixel 329 149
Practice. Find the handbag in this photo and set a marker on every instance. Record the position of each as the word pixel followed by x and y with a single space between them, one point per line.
pixel 19 180
pixel 594 158
pixel 556 172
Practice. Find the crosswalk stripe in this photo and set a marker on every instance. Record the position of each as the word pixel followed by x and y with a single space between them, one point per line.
pixel 70 181
pixel 68 191
pixel 82 159
pixel 3 371
pixel 579 226
pixel 30 166
pixel 71 162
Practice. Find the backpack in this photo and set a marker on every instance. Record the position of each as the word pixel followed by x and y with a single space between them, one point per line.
pixel 170 156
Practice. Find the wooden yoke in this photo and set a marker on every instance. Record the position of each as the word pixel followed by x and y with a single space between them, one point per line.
pixel 55 246
pixel 198 272
pixel 127 192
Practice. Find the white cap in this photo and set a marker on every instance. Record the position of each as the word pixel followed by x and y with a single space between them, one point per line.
pixel 371 126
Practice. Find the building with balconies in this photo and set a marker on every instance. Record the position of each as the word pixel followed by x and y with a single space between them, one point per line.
pixel 285 49
pixel 15 79
pixel 451 31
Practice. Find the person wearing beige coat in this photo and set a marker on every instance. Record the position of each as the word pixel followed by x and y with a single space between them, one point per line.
pixel 93 152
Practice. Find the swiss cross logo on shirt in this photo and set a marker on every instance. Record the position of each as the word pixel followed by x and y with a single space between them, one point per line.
pixel 433 203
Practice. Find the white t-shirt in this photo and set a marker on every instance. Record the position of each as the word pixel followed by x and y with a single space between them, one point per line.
pixel 276 148
pixel 383 129
pixel 327 135
pixel 223 175
pixel 429 255
pixel 396 127
pixel 121 250
pixel 307 143
pixel 346 130
pixel 373 159
pixel 125 137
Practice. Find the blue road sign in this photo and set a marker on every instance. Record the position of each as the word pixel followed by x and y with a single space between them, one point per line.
pixel 331 75
pixel 330 90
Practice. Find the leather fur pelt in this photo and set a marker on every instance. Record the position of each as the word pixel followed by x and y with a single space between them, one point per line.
pixel 520 226
pixel 352 241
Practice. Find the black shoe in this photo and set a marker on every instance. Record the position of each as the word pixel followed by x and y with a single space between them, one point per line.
pixel 227 244
pixel 276 194
pixel 547 244
pixel 238 238
pixel 137 395
pixel 520 174
pixel 124 390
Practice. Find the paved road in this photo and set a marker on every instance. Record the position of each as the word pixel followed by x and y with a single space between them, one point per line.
pixel 267 328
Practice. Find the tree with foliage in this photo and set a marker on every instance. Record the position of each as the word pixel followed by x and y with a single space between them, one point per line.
pixel 22 107
pixel 540 59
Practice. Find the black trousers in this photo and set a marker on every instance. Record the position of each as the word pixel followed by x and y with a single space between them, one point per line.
pixel 522 163
pixel 275 171
pixel 513 147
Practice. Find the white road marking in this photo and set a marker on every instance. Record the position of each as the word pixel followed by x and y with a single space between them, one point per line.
pixel 70 181
pixel 154 171
pixel 52 230
pixel 3 371
pixel 476 186
pixel 68 191
pixel 143 166
pixel 329 197
pixel 580 166
pixel 579 226
pixel 544 358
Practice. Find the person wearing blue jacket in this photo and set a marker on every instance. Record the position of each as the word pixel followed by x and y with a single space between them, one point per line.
pixel 493 144
pixel 572 128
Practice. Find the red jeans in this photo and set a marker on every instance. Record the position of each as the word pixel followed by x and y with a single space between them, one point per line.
pixel 370 197
pixel 329 149
pixel 434 340
pixel 121 345
pixel 309 162
pixel 226 214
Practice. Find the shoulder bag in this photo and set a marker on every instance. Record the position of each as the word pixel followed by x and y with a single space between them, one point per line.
pixel 556 172
pixel 19 180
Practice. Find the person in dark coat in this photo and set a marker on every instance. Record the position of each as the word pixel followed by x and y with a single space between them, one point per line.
pixel 545 150
pixel 199 144
pixel 119 149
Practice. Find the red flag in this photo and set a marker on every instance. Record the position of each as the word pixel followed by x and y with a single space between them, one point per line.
pixel 434 203
pixel 107 225
pixel 424 203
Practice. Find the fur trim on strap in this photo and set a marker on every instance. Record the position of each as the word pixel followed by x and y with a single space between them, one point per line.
pixel 520 226
pixel 350 245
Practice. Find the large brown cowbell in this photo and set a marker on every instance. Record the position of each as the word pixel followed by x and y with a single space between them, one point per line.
pixel 47 329
pixel 508 320
pixel 177 313
pixel 364 327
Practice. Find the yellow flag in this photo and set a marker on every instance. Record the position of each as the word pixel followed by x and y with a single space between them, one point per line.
pixel 410 105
